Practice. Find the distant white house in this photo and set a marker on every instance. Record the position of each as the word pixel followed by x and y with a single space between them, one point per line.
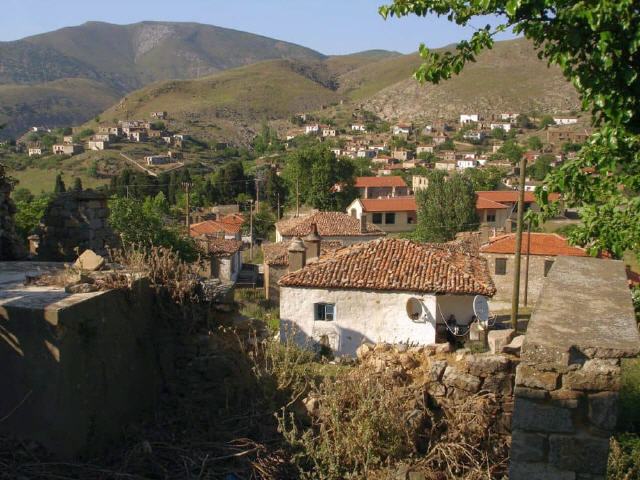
pixel 424 149
pixel 311 129
pixel 329 132
pixel 366 153
pixel 95 144
pixel 358 127
pixel 503 126
pixel 35 150
pixel 67 149
pixel 473 135
pixel 158 159
pixel 565 120
pixel 388 290
pixel 465 163
pixel 401 129
pixel 508 117
pixel 469 118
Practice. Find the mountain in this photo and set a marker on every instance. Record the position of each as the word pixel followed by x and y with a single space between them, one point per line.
pixel 122 58
pixel 229 106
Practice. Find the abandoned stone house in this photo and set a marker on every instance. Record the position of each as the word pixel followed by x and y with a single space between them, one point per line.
pixel 223 258
pixel 388 290
pixel 543 249
pixel 277 260
pixel 332 226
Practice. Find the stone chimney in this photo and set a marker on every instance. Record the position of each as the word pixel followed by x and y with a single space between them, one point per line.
pixel 363 222
pixel 297 254
pixel 312 243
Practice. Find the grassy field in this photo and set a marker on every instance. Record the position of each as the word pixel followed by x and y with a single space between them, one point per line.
pixel 37 180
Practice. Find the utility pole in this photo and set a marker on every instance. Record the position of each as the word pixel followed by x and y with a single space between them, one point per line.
pixel 251 229
pixel 278 196
pixel 298 195
pixel 257 194
pixel 515 298
pixel 187 187
pixel 526 268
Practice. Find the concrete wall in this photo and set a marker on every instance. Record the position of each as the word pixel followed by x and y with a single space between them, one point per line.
pixel 77 368
pixel 566 394
pixel 504 283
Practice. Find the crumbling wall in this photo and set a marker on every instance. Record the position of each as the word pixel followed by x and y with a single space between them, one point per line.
pixel 566 394
pixel 74 222
pixel 11 247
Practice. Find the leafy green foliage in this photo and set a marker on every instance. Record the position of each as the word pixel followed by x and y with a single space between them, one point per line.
pixel 597 47
pixel 545 121
pixel 445 208
pixel 534 143
pixel 488 178
pixel 510 151
pixel 29 212
pixel 541 167
pixel 498 134
pixel 142 224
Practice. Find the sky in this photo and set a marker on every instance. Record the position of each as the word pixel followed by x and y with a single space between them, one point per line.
pixel 332 27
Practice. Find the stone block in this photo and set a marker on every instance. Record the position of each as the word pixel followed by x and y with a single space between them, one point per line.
pixel 499 383
pixel 454 378
pixel 515 347
pixel 528 447
pixel 529 376
pixel 484 365
pixel 579 453
pixel 603 410
pixel 532 393
pixel 538 417
pixel 497 339
pixel 595 378
pixel 89 261
pixel 566 398
pixel 436 370
pixel 537 471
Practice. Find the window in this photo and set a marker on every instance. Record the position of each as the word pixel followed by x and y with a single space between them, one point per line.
pixel 491 216
pixel 501 266
pixel 547 266
pixel 377 218
pixel 325 312
pixel 390 218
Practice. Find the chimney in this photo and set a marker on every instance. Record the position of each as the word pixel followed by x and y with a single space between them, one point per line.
pixel 297 254
pixel 312 243
pixel 363 222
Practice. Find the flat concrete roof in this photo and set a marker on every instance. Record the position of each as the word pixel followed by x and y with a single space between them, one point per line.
pixel 15 294
pixel 584 308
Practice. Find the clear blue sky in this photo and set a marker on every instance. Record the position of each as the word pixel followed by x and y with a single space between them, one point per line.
pixel 329 26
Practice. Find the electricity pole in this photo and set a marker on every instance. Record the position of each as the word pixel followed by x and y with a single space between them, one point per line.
pixel 298 195
pixel 187 187
pixel 526 267
pixel 278 196
pixel 251 229
pixel 515 298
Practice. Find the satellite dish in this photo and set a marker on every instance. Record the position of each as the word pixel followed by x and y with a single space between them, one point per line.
pixel 414 309
pixel 481 309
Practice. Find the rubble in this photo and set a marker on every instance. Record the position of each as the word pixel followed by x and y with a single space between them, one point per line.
pixel 89 261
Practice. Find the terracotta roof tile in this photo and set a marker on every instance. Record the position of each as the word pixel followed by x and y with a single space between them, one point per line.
pixel 397 265
pixel 392 204
pixel 330 224
pixel 219 246
pixel 487 204
pixel 510 196
pixel 549 244
pixel 213 227
pixel 386 181
pixel 278 253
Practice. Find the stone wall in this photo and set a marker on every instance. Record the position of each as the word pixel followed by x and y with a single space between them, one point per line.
pixel 567 383
pixel 75 221
pixel 11 247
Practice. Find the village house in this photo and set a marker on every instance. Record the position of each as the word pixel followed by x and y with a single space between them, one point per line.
pixel 159 115
pixel 103 137
pixel 116 131
pixel 503 126
pixel 401 129
pixel 276 260
pixel 558 135
pixel 440 139
pixel 379 187
pixel 174 155
pixel 509 201
pixel 424 149
pixel 384 160
pixel 35 150
pixel 223 258
pixel 358 127
pixel 402 154
pixel 390 169
pixel 465 163
pixel 137 135
pixel 226 227
pixel 469 118
pixel 389 290
pixel 508 117
pixel 419 182
pixel 365 153
pixel 311 129
pixel 329 132
pixel 473 135
pixel 392 215
pixel 331 226
pixel 67 139
pixel 95 144
pixel 565 120
pixel 448 155
pixel 543 248
pixel 67 149
pixel 492 215
pixel 158 159
pixel 445 165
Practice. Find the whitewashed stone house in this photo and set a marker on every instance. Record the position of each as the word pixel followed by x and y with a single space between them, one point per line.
pixel 387 290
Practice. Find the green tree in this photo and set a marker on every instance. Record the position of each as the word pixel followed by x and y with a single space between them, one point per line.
pixel 488 178
pixel 22 195
pixel 534 143
pixel 523 121
pixel 541 167
pixel 59 186
pixel 445 207
pixel 498 133
pixel 29 213
pixel 545 121
pixel 597 46
pixel 77 184
pixel 510 151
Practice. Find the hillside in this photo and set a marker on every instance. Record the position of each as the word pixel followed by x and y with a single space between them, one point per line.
pixel 119 59
pixel 230 105
pixel 508 78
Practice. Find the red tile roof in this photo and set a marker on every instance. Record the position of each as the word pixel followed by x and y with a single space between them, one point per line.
pixel 213 227
pixel 278 253
pixel 391 264
pixel 219 246
pixel 392 204
pixel 330 224
pixel 386 181
pixel 549 244
pixel 486 204
pixel 510 196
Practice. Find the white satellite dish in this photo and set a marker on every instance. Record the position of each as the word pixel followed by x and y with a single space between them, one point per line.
pixel 481 309
pixel 414 309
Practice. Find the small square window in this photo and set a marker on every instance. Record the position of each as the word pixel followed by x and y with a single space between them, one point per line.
pixel 491 216
pixel 390 218
pixel 325 312
pixel 501 266
pixel 377 218
pixel 547 266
